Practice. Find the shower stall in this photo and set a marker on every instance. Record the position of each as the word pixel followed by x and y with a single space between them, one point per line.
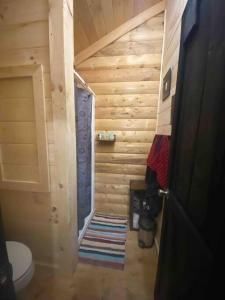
pixel 84 107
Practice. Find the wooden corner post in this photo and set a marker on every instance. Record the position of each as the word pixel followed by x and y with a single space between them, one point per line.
pixel 62 91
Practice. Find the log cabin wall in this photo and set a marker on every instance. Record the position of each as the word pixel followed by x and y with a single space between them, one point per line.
pixel 173 14
pixel 36 218
pixel 125 78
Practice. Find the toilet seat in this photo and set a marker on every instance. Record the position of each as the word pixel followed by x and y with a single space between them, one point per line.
pixel 20 258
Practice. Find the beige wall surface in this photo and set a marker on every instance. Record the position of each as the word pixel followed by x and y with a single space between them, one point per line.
pixel 125 78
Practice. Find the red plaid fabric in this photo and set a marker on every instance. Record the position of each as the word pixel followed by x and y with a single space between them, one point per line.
pixel 158 159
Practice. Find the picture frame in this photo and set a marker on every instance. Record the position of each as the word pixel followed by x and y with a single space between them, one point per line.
pixel 167 85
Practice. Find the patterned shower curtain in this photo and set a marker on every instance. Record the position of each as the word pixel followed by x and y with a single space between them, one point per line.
pixel 83 106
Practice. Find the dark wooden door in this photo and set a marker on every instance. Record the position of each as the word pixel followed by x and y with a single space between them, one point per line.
pixel 6 285
pixel 193 223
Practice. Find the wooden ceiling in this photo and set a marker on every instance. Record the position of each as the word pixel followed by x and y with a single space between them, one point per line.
pixel 96 18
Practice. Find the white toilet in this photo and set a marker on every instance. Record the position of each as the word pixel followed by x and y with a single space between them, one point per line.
pixel 21 260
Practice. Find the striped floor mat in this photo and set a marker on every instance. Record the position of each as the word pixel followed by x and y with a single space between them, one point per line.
pixel 104 241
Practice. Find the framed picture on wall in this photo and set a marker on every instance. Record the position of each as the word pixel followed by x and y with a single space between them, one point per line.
pixel 167 85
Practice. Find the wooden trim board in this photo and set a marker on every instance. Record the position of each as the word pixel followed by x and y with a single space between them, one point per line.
pixel 119 31
pixel 35 72
pixel 83 83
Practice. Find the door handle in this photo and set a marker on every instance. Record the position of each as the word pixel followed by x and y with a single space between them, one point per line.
pixel 6 273
pixel 3 279
pixel 164 193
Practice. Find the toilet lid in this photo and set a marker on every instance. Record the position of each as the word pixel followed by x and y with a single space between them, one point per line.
pixel 20 257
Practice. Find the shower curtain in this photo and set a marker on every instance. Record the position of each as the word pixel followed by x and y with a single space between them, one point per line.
pixel 83 104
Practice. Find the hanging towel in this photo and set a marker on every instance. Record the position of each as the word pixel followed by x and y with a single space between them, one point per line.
pixel 158 159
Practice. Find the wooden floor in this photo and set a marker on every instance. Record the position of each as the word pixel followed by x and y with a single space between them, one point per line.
pixel 136 282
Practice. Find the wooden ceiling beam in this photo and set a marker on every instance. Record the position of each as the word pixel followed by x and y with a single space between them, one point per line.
pixel 120 31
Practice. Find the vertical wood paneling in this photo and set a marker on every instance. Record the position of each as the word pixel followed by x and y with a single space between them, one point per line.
pixel 128 9
pixel 118 12
pixel 83 14
pixel 174 11
pixel 82 40
pixel 99 17
pixel 28 216
pixel 96 12
pixel 107 9
pixel 125 78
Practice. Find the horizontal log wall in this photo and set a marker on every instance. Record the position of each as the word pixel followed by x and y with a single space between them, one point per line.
pixel 125 77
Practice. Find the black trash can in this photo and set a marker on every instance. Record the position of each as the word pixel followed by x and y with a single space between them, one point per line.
pixel 147 230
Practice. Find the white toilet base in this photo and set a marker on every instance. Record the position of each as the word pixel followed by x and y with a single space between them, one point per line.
pixel 21 260
pixel 23 281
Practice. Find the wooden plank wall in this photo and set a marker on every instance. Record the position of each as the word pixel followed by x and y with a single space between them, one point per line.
pixel 62 92
pixel 31 218
pixel 125 77
pixel 174 11
pixel 170 57
pixel 94 19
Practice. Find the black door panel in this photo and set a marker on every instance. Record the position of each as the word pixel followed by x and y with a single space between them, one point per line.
pixel 193 225
pixel 184 260
pixel 194 71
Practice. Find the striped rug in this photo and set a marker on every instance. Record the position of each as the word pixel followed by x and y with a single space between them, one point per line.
pixel 104 241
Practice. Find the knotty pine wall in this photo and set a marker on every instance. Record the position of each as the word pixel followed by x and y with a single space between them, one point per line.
pixel 125 78
pixel 34 218
pixel 174 11
pixel 94 19
pixel 28 217
pixel 170 57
